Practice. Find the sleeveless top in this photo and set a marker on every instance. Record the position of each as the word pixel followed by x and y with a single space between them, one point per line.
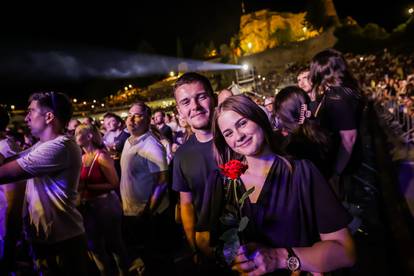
pixel 92 175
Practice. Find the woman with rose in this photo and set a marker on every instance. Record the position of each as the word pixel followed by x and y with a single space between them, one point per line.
pixel 295 220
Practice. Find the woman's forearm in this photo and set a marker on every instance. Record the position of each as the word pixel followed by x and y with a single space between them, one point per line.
pixel 325 256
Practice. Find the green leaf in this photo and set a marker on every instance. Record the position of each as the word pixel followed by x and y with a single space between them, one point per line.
pixel 230 235
pixel 243 223
pixel 229 219
pixel 244 196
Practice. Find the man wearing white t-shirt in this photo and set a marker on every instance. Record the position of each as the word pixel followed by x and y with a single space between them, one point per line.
pixel 52 169
pixel 143 182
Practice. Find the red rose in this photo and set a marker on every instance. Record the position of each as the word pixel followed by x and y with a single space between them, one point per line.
pixel 233 169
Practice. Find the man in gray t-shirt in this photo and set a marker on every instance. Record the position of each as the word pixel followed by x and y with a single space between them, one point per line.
pixel 51 193
pixel 52 169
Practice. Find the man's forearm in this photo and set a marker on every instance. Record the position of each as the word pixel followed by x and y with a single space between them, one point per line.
pixel 12 172
pixel 188 219
pixel 157 196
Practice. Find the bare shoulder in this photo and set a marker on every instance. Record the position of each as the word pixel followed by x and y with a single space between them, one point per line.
pixel 104 157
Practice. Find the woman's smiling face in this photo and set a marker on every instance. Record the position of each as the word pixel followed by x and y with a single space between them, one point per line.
pixel 243 136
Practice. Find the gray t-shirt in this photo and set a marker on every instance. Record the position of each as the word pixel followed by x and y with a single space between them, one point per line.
pixel 51 194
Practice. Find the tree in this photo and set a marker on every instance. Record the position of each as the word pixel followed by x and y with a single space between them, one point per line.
pixel 322 13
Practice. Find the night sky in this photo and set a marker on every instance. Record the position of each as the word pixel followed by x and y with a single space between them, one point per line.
pixel 151 25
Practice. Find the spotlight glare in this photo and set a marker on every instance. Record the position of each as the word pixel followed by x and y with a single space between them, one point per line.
pixel 245 67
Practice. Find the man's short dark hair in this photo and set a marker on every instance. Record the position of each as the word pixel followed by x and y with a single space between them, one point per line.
pixel 303 69
pixel 58 103
pixel 113 115
pixel 145 108
pixel 160 111
pixel 4 118
pixel 192 77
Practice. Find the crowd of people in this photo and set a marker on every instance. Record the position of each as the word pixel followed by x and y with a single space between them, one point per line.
pixel 125 197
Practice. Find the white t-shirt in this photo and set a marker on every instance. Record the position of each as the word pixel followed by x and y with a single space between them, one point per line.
pixel 51 194
pixel 8 148
pixel 141 157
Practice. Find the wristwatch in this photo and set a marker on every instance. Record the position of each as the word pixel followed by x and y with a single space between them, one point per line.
pixel 292 262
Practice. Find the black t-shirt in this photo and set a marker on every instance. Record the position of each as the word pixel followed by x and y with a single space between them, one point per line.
pixel 193 164
pixel 301 148
pixel 341 109
pixel 166 132
pixel 119 146
pixel 295 205
pixel 120 141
